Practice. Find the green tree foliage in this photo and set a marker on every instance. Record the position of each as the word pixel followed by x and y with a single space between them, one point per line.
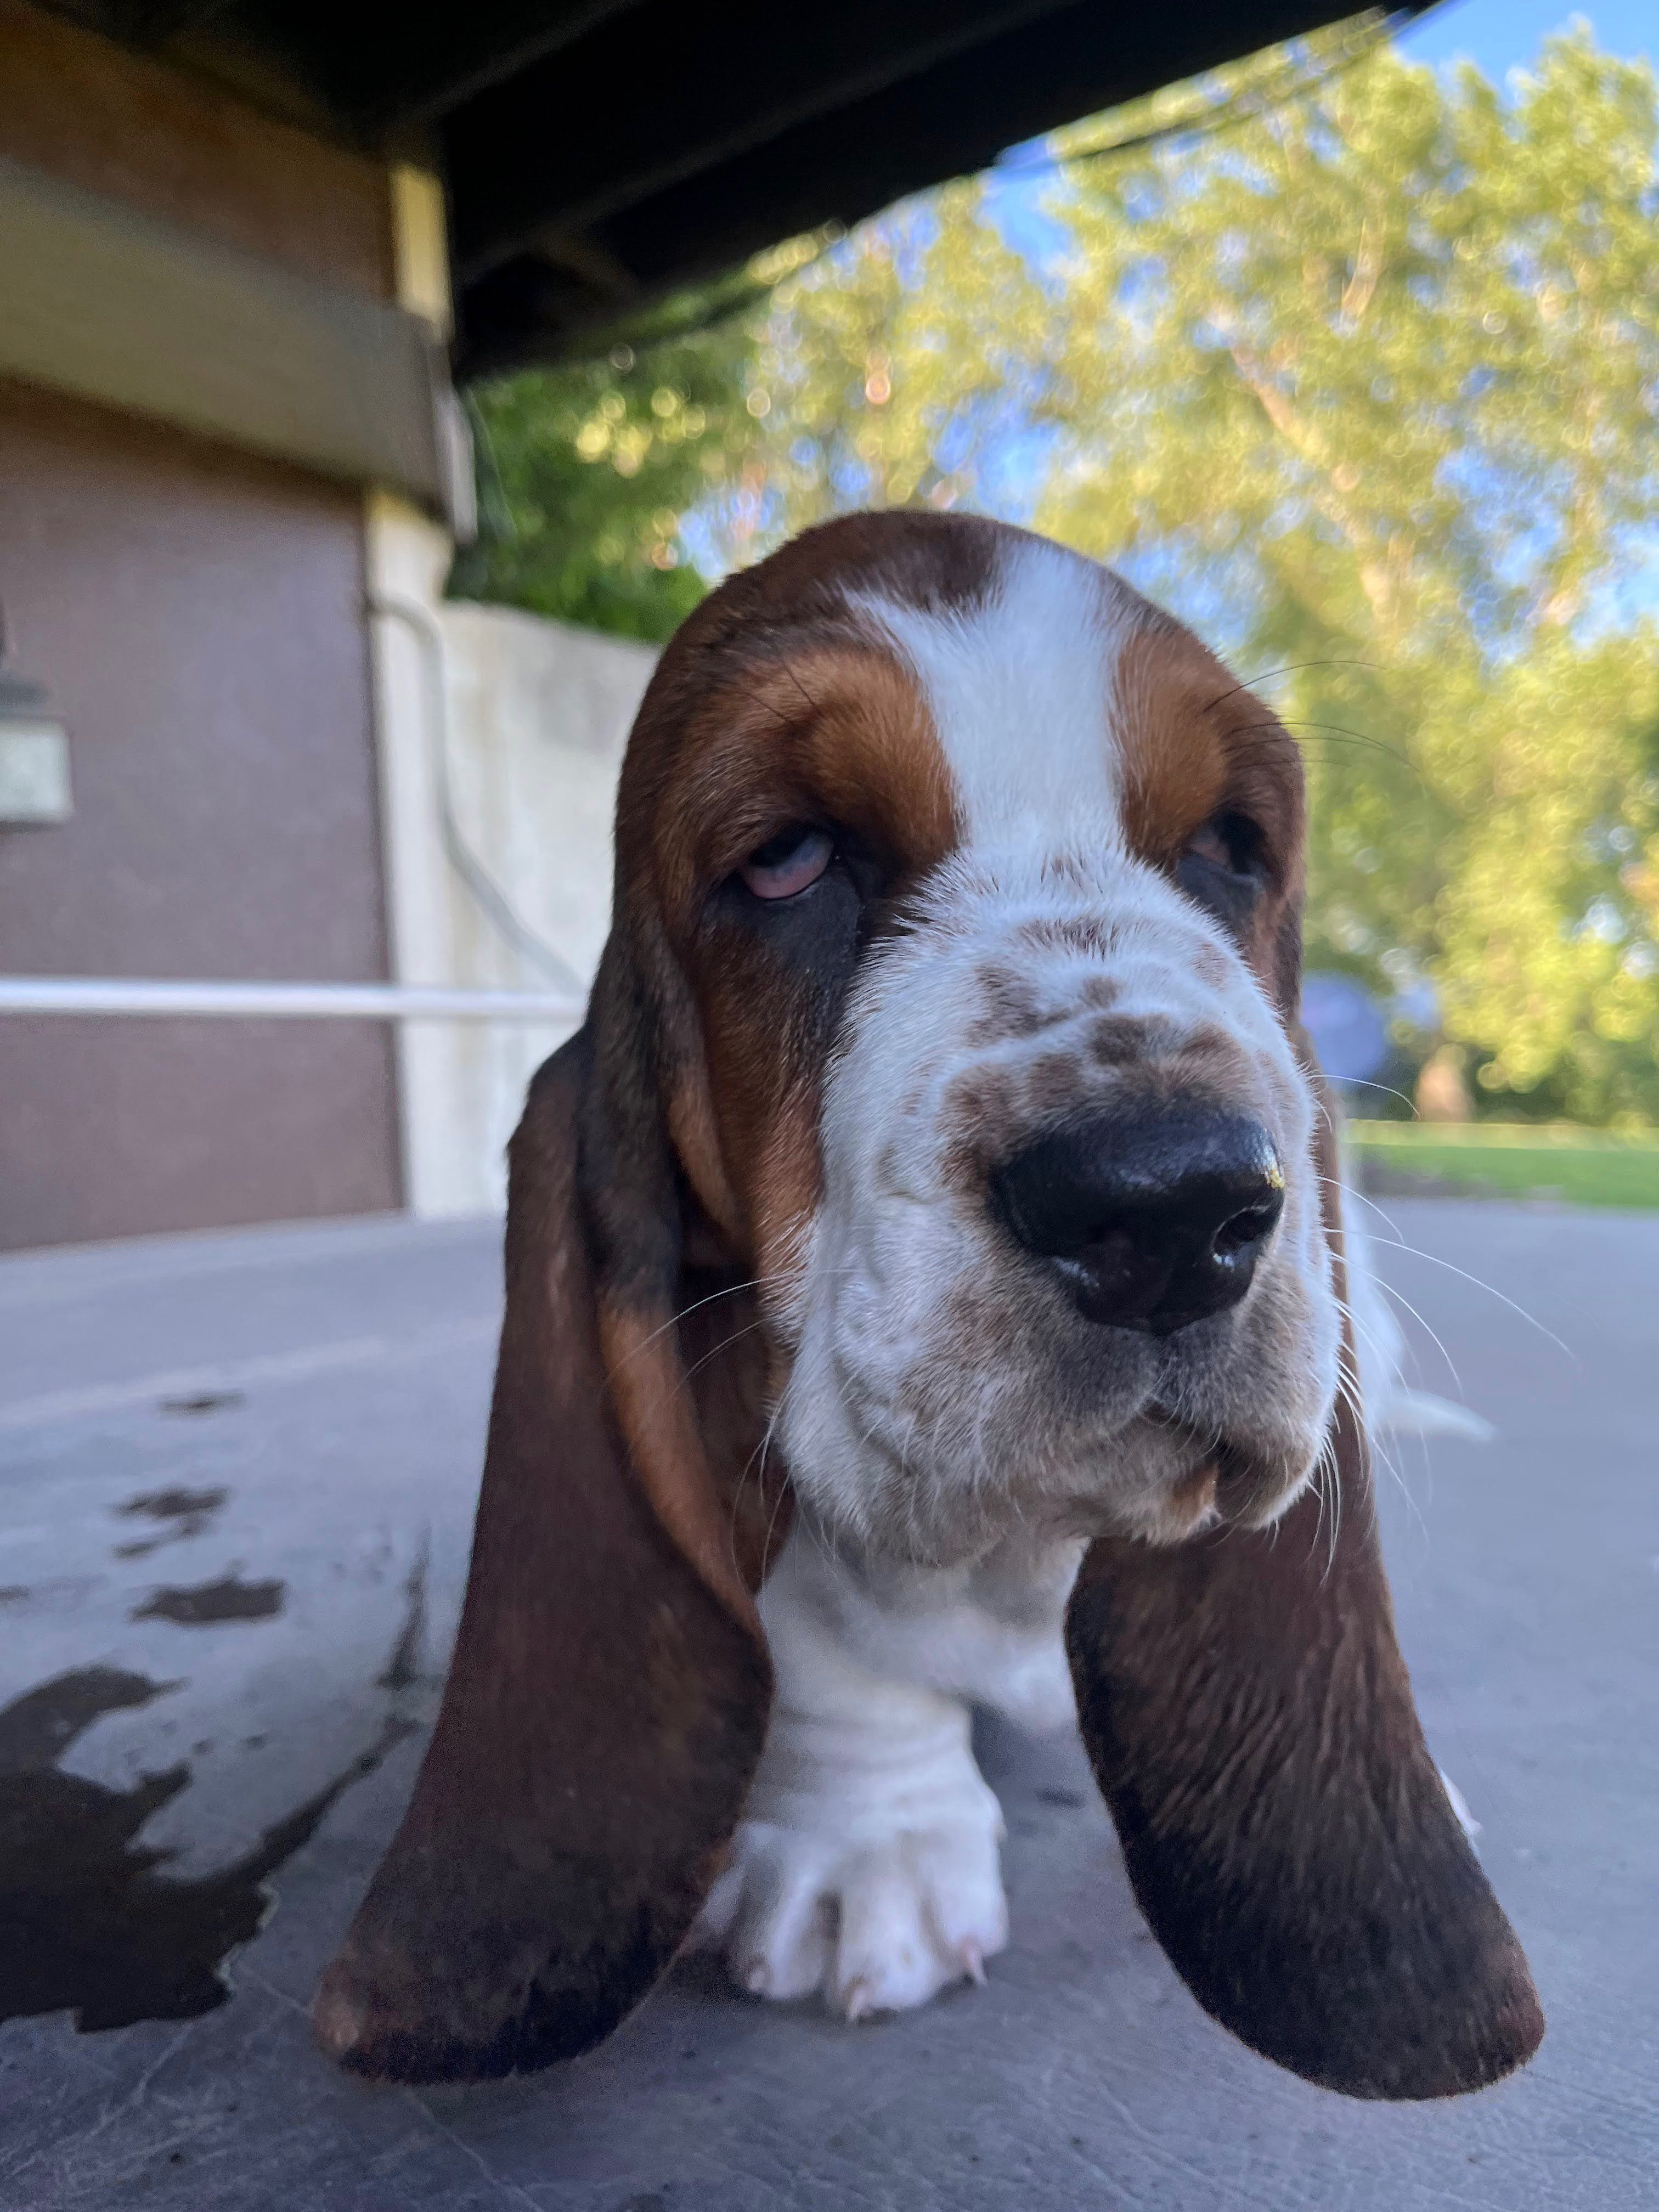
pixel 891 370
pixel 1364 383
pixel 584 473
pixel 1380 373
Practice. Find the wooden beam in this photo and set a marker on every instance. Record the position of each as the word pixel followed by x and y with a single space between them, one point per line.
pixel 681 93
pixel 149 318
pixel 951 117
pixel 389 65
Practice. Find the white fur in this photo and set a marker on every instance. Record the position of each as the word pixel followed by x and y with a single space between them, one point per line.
pixel 867 1866
pixel 947 1465
pixel 1023 691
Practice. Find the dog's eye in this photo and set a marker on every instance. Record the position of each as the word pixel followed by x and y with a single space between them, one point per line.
pixel 1224 868
pixel 1230 841
pixel 790 862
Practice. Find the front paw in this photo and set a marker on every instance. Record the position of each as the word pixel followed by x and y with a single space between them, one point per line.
pixel 880 1924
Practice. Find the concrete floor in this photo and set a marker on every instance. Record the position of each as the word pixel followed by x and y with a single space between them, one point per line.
pixel 237 1473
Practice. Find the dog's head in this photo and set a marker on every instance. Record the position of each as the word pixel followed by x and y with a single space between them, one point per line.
pixel 983 878
pixel 939 1154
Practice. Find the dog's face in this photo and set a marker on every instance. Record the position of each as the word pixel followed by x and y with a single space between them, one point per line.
pixel 984 876
pixel 949 997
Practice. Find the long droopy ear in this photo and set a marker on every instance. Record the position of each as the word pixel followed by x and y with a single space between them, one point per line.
pixel 1251 1724
pixel 609 1689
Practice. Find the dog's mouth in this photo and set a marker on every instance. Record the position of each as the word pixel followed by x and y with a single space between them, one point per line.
pixel 1231 1483
pixel 1193 1502
pixel 1255 1487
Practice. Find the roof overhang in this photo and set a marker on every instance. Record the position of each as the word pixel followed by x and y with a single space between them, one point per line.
pixel 601 153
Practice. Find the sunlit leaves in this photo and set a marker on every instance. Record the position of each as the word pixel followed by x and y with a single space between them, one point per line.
pixel 1365 383
pixel 585 472
pixel 1372 383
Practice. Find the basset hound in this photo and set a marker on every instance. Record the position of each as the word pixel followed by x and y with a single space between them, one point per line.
pixel 924 1289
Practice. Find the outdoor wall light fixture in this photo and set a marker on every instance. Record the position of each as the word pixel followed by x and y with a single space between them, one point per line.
pixel 34 765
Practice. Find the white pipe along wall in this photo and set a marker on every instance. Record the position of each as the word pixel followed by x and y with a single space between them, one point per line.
pixel 498 737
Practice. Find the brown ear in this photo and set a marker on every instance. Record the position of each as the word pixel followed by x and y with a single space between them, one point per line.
pixel 1251 1724
pixel 609 1688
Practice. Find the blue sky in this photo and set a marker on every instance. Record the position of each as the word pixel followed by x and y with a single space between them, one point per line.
pixel 1497 35
pixel 1500 35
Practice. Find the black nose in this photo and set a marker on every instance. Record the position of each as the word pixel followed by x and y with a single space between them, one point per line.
pixel 1151 1219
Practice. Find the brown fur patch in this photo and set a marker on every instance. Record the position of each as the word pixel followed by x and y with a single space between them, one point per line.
pixel 694 1132
pixel 658 1419
pixel 1198 744
pixel 608 1697
pixel 803 715
pixel 1113 1042
pixel 1010 1006
pixel 723 1352
pixel 1088 935
pixel 1175 764
pixel 828 730
pixel 788 1178
pixel 1192 1500
pixel 1210 967
pixel 980 1107
pixel 1251 1724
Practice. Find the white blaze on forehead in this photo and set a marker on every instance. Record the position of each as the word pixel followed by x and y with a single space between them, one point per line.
pixel 1021 689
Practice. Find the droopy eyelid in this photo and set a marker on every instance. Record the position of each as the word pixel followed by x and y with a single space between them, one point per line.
pixel 788 863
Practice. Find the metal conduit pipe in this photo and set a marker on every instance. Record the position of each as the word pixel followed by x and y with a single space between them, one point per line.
pixel 398 1002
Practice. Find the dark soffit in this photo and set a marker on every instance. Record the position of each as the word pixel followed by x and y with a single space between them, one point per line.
pixel 602 154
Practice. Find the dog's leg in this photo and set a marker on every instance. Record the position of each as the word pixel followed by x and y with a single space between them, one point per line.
pixel 868 1863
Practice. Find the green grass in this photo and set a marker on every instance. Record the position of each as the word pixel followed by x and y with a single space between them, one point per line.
pixel 1586 1167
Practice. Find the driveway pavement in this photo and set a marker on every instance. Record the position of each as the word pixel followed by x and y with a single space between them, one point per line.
pixel 235 1483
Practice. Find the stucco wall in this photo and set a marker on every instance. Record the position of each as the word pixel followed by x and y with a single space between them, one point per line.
pixel 536 716
pixel 197 616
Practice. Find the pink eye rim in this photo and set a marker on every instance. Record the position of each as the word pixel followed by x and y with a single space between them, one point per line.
pixel 781 869
pixel 1231 842
pixel 1207 844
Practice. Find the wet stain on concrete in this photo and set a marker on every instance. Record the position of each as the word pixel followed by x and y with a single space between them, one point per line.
pixel 37 1729
pixel 209 1603
pixel 90 1921
pixel 402 1669
pixel 182 1513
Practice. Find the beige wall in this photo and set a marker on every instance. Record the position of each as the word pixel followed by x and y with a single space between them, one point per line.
pixel 77 108
pixel 536 716
pixel 253 755
pixel 197 616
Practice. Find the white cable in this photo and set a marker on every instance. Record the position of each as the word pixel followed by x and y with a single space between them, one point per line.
pixel 490 899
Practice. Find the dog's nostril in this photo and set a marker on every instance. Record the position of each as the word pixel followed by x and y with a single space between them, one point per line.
pixel 1151 1218
pixel 1247 1228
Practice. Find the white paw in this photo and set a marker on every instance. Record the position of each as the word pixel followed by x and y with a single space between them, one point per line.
pixel 878 1924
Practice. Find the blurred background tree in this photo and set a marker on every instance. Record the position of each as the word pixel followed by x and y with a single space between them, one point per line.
pixel 1355 366
pixel 585 472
